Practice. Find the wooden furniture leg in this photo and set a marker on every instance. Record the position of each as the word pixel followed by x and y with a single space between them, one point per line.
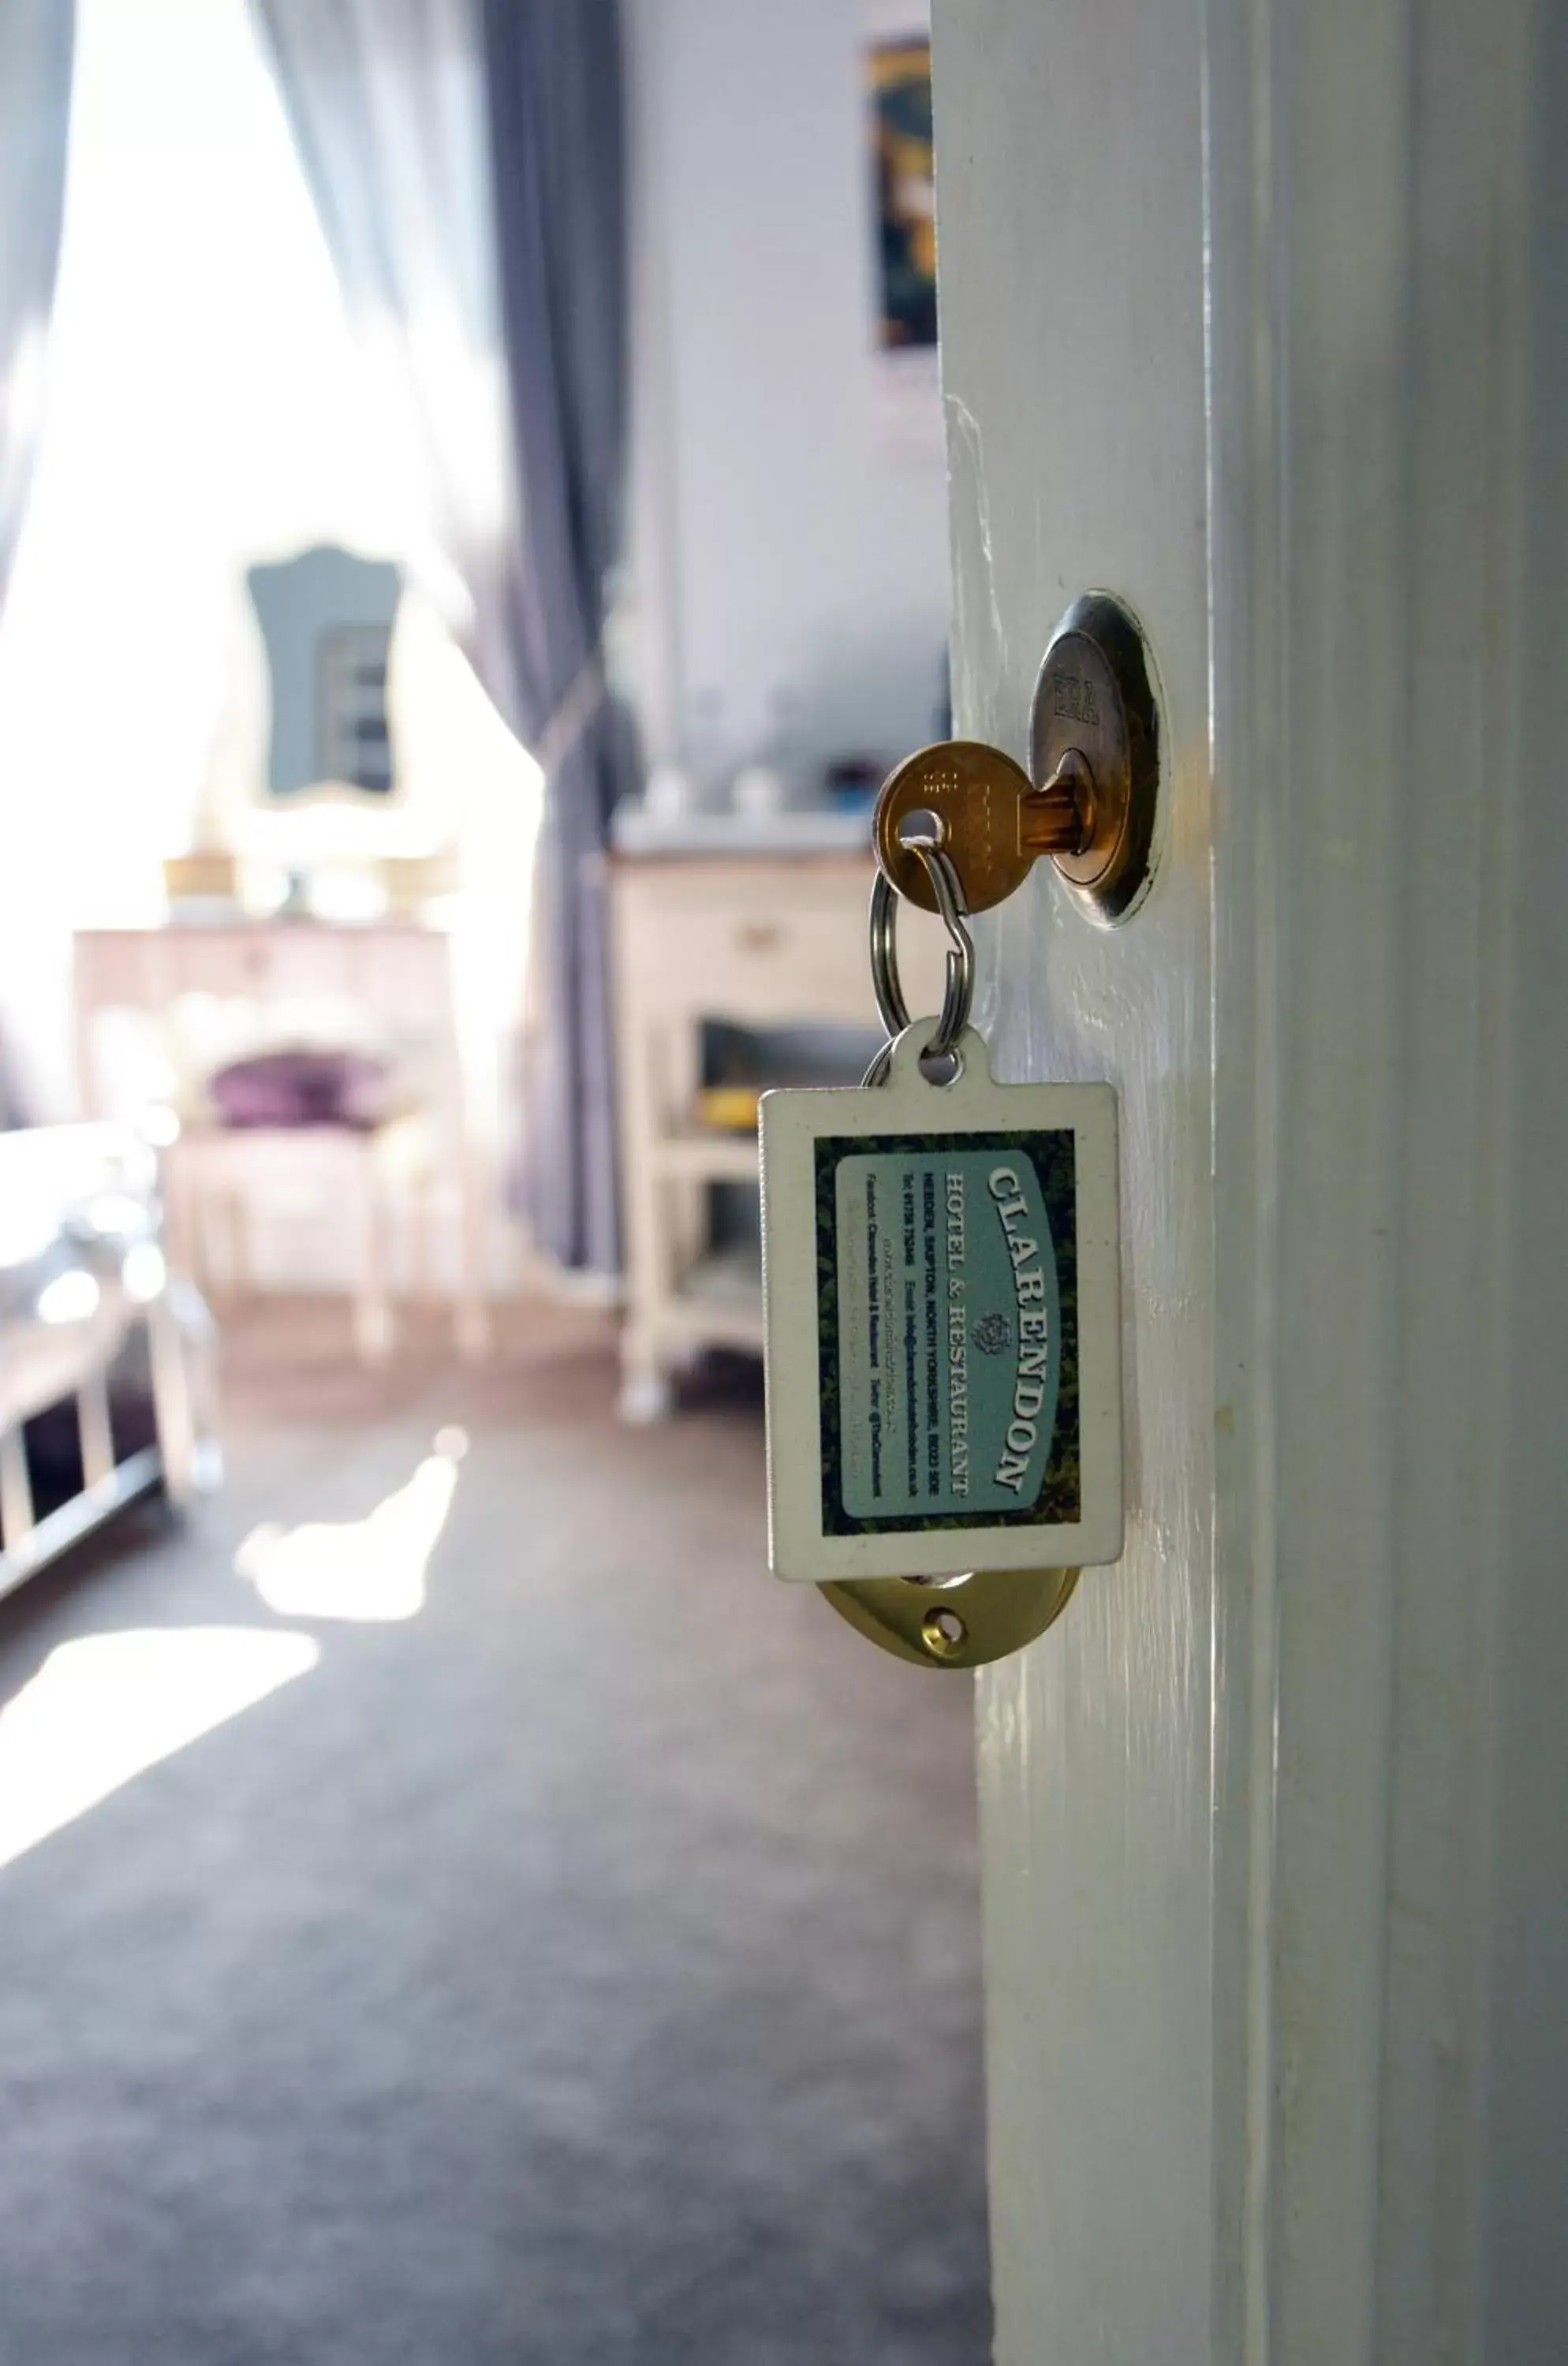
pixel 471 1306
pixel 372 1302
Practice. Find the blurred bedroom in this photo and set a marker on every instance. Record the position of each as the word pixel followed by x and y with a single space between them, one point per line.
pixel 473 540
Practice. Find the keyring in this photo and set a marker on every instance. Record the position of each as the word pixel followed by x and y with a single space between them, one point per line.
pixel 959 997
pixel 942 1288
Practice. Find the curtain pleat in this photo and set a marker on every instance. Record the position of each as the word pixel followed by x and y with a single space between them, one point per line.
pixel 552 83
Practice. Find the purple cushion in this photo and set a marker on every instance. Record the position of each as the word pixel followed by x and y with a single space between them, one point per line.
pixel 302 1087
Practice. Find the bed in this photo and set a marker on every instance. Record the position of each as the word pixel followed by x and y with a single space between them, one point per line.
pixel 105 1358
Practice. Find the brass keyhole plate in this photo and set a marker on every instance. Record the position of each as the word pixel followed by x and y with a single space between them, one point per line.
pixel 964 1622
pixel 1094 695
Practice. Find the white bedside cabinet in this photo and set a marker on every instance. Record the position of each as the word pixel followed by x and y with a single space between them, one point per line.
pixel 763 940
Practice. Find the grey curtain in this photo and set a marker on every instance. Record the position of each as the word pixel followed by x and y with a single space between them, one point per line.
pixel 466 162
pixel 37 38
pixel 36 42
pixel 553 80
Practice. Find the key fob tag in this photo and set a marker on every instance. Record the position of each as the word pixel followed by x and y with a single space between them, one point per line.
pixel 941 1281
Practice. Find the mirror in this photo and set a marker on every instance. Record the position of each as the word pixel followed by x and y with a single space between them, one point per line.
pixel 326 618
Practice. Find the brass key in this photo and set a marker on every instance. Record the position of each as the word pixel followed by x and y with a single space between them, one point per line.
pixel 990 818
pixel 1093 750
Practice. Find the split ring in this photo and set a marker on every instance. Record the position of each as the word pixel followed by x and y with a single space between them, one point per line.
pixel 958 999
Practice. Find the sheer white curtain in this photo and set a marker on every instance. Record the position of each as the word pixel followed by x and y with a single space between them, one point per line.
pixel 208 406
pixel 385 101
pixel 35 43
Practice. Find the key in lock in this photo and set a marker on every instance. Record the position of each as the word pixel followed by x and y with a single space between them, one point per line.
pixel 1089 804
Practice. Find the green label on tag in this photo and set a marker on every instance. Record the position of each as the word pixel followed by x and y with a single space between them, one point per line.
pixel 947 1314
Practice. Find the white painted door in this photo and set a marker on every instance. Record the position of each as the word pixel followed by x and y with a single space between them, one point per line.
pixel 1252 314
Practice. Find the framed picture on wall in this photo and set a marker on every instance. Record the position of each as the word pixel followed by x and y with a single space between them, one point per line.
pixel 906 195
pixel 902 180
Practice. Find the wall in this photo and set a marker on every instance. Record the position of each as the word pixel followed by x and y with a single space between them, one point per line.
pixel 790 537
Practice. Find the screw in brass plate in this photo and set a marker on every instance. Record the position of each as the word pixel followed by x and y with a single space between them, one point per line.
pixel 943 1632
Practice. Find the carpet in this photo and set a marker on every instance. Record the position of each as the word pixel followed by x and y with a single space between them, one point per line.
pixel 563 1944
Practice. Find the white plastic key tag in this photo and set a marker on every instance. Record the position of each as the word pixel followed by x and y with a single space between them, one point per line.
pixel 941 1281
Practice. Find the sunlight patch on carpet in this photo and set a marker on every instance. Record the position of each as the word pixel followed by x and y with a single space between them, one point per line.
pixel 105 1707
pixel 372 1570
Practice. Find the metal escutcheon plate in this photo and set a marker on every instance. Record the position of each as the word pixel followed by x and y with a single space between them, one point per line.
pixel 1094 694
pixel 964 1622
